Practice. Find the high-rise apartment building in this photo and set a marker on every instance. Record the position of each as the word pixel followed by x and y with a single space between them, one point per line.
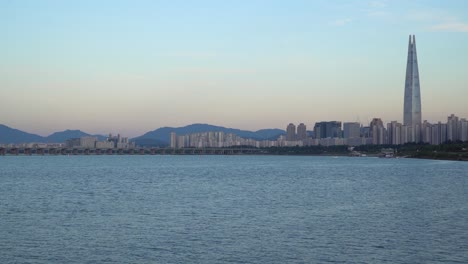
pixel 173 140
pixel 377 131
pixel 394 131
pixel 301 132
pixel 291 132
pixel 452 128
pixel 463 129
pixel 72 142
pixel 330 129
pixel 412 103
pixel 435 134
pixel 438 133
pixel 426 132
pixel 351 130
pixel 88 142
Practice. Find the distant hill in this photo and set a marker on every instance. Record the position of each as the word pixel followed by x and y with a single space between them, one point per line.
pixel 150 142
pixel 10 135
pixel 158 137
pixel 161 136
pixel 59 137
pixel 269 134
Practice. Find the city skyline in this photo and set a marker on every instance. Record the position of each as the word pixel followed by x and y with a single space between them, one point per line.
pixel 111 66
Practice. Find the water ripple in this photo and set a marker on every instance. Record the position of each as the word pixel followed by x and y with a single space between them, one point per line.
pixel 232 209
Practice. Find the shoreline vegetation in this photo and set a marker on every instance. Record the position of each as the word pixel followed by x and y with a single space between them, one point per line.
pixel 446 151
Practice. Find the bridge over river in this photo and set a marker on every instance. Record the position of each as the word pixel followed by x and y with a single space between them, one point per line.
pixel 131 151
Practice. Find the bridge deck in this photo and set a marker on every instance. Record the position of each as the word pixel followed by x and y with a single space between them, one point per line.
pixel 134 151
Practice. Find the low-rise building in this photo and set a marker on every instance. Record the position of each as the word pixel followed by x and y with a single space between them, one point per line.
pixel 88 142
pixel 104 144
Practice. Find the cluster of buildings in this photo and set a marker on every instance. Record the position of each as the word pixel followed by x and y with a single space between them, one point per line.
pixel 32 145
pixel 456 130
pixel 330 133
pixel 92 142
pixel 394 133
pixel 209 140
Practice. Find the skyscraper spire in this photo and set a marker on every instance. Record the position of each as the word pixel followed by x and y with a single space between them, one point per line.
pixel 412 103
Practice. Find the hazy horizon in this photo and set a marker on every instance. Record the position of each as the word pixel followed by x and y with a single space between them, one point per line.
pixel 132 67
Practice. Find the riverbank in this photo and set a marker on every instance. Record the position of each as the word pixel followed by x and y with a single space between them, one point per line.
pixel 449 151
pixel 440 156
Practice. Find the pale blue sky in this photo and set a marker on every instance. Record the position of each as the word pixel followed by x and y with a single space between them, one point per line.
pixel 133 66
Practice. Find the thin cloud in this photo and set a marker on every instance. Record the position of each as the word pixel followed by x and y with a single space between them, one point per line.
pixel 378 9
pixel 430 16
pixel 341 22
pixel 190 54
pixel 451 27
pixel 378 14
pixel 438 20
pixel 378 4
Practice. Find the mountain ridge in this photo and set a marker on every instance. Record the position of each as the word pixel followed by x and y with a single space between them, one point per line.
pixel 162 134
pixel 157 137
pixel 9 135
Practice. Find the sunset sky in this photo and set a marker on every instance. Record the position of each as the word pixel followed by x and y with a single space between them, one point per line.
pixel 133 66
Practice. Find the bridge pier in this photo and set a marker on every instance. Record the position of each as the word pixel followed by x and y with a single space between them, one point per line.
pixel 14 151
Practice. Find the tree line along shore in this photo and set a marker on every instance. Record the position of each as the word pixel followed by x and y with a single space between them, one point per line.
pixel 446 151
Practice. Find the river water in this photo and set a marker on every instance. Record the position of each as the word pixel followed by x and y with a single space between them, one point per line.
pixel 232 209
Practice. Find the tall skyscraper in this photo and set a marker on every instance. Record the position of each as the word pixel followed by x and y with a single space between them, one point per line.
pixel 291 132
pixel 412 104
